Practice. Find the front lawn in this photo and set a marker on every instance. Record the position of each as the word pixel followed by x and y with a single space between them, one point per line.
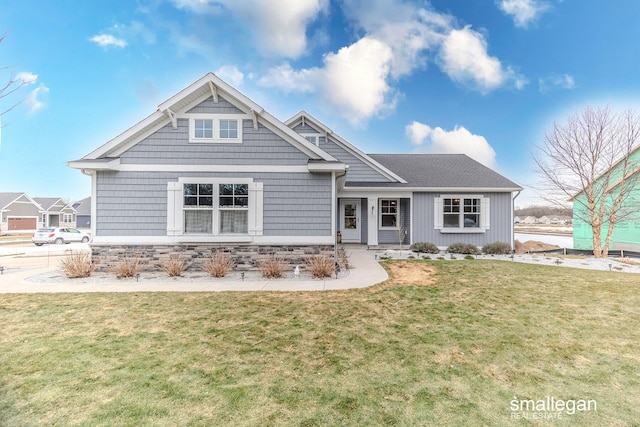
pixel 440 343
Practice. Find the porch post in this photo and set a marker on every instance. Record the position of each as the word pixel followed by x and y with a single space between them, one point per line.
pixel 372 214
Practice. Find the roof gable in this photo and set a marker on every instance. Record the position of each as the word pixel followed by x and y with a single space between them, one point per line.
pixel 307 121
pixel 209 86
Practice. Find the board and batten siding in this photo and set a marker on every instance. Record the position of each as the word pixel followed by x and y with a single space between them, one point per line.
pixel 358 170
pixel 500 228
pixel 135 203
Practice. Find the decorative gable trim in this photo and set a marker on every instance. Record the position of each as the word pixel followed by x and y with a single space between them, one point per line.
pixel 307 119
pixel 208 86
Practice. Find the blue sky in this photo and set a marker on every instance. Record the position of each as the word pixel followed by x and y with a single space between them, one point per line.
pixel 482 77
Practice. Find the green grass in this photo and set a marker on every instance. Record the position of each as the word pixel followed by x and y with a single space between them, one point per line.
pixel 453 347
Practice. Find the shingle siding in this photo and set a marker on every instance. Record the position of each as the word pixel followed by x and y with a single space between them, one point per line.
pixel 135 203
pixel 172 146
pixel 500 229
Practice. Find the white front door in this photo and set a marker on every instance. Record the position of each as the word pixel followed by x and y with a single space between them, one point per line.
pixel 350 220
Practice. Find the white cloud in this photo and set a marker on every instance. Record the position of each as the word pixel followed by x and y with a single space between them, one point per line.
pixel 26 77
pixel 465 59
pixel 523 12
pixel 231 75
pixel 564 81
pixel 458 141
pixel 279 31
pixel 34 101
pixel 353 81
pixel 106 40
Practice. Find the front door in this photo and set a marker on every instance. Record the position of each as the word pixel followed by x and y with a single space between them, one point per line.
pixel 350 220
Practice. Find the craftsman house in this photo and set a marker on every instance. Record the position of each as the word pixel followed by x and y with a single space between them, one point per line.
pixel 212 168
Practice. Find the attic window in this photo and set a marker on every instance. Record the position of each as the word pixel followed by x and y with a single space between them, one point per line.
pixel 312 138
pixel 212 128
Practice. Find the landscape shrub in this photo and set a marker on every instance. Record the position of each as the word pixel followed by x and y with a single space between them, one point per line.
pixel 77 265
pixel 321 266
pixel 425 248
pixel 127 267
pixel 218 264
pixel 462 248
pixel 497 248
pixel 175 265
pixel 273 266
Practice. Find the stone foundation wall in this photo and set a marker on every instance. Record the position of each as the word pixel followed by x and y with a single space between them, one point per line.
pixel 246 257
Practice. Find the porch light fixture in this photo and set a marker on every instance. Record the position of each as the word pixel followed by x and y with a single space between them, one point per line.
pixel 373 210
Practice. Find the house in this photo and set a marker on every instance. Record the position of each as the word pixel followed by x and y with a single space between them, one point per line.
pixel 18 212
pixel 83 213
pixel 626 232
pixel 55 212
pixel 530 220
pixel 210 168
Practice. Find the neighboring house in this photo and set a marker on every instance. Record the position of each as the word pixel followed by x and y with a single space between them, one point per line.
pixel 517 220
pixel 530 220
pixel 18 212
pixel 626 233
pixel 55 212
pixel 83 213
pixel 211 168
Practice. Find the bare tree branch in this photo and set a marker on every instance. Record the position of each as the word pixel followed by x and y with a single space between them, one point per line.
pixel 592 161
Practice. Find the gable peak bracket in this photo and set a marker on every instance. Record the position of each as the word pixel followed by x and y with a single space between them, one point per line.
pixel 172 117
pixel 254 115
pixel 214 91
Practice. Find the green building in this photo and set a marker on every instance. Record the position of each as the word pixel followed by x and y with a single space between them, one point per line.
pixel 626 233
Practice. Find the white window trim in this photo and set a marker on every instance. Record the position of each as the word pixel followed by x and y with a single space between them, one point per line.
pixel 316 137
pixel 216 118
pixel 381 227
pixel 485 209
pixel 175 207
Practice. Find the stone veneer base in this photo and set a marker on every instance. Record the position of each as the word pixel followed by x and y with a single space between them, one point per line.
pixel 246 257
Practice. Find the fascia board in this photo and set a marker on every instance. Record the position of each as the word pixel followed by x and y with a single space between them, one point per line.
pixel 92 164
pixel 433 189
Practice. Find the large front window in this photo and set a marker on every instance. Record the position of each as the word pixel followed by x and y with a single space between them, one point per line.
pixel 224 205
pixel 461 213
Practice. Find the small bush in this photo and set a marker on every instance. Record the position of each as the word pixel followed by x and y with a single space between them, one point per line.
pixel 497 248
pixel 218 264
pixel 462 248
pixel 127 267
pixel 321 266
pixel 77 265
pixel 425 248
pixel 175 265
pixel 469 257
pixel 273 266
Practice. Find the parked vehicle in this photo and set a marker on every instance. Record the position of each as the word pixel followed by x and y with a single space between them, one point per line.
pixel 59 236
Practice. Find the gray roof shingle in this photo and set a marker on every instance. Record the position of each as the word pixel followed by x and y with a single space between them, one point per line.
pixel 439 171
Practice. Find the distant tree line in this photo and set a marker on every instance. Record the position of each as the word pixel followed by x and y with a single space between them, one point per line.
pixel 540 211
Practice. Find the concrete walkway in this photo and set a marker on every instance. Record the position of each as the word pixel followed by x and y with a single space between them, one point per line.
pixel 366 272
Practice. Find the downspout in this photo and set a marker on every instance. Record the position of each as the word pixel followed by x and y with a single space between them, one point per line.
pixel 513 227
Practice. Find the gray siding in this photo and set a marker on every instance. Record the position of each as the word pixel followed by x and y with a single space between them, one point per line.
pixel 358 170
pixel 221 107
pixel 135 203
pixel 171 146
pixel 499 231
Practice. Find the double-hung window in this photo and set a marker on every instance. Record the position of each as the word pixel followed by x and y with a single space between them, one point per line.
pixel 215 207
pixel 461 213
pixel 389 210
pixel 233 204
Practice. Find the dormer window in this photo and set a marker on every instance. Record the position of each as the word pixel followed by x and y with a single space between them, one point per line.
pixel 203 128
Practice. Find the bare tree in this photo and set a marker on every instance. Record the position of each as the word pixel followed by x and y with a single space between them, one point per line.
pixel 12 84
pixel 591 160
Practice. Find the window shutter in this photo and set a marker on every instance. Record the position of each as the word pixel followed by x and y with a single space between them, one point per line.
pixel 255 209
pixel 437 213
pixel 485 213
pixel 174 208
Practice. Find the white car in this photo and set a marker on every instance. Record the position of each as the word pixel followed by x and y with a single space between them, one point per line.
pixel 59 236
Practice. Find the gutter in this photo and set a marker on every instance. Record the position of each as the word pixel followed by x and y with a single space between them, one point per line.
pixel 513 227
